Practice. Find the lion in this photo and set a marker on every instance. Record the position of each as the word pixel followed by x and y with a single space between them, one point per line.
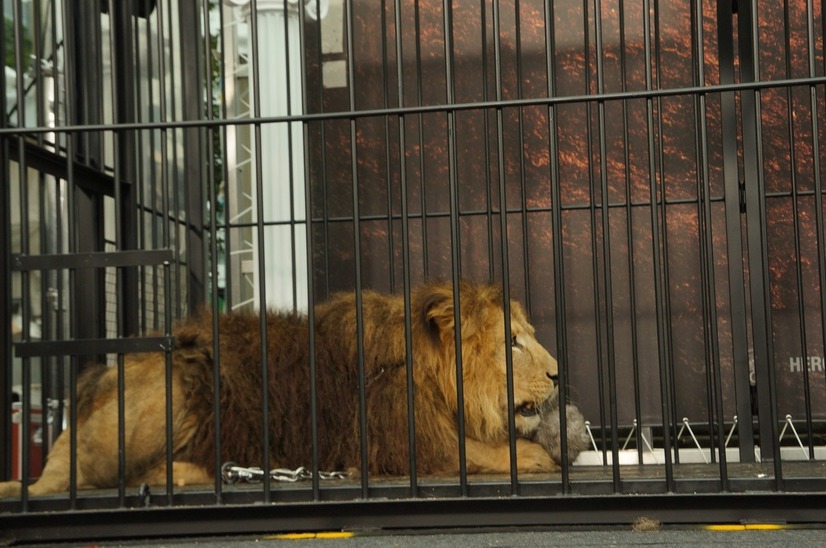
pixel 344 337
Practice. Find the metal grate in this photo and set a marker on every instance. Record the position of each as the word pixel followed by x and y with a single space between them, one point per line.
pixel 645 177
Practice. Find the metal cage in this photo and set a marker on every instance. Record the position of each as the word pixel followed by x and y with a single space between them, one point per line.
pixel 644 176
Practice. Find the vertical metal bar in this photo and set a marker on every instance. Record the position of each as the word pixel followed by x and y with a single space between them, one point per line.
pixel 795 198
pixel 503 242
pixel 408 329
pixel 523 208
pixel 92 78
pixel 5 277
pixel 313 367
pixel 212 223
pixel 142 210
pixel 74 362
pixel 84 89
pixel 119 42
pixel 325 218
pixel 629 234
pixel 45 184
pixel 523 202
pixel 308 216
pixel 359 306
pixel 207 139
pixel 126 184
pixel 152 211
pixel 59 45
pixel 223 38
pixel 216 341
pixel 58 53
pixel 165 242
pixel 259 225
pixel 818 181
pixel 119 305
pixel 708 303
pixel 486 131
pixel 557 229
pixel 739 336
pixel 606 250
pixel 657 258
pixel 421 144
pixel 168 392
pixel 598 320
pixel 309 251
pixel 455 238
pixel 717 422
pixel 661 161
pixel 73 369
pixel 37 67
pixel 40 121
pixel 503 245
pixel 25 311
pixel 192 83
pixel 351 79
pixel 747 33
pixel 385 71
pixel 290 145
pixel 46 324
pixel 69 74
pixel 180 282
pixel 5 285
pixel 593 231
pixel 311 293
pixel 121 387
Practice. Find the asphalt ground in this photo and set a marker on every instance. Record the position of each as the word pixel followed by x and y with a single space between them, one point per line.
pixel 734 535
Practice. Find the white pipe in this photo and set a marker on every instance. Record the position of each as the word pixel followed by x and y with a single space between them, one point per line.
pixel 282 150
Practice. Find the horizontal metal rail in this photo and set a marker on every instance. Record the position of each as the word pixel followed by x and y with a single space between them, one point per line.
pixel 97 259
pixel 425 109
pixel 83 347
pixel 56 163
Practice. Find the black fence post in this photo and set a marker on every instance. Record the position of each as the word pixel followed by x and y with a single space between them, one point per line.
pixel 85 91
pixel 758 255
pixel 126 183
pixel 5 278
pixel 739 316
pixel 194 178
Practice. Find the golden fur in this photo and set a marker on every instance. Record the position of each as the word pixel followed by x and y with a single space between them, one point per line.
pixel 337 384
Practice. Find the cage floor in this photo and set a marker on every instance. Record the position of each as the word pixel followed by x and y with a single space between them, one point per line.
pixel 739 477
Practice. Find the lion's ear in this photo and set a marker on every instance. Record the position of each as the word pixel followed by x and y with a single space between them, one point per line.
pixel 437 312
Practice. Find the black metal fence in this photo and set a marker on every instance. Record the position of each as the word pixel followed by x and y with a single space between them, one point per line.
pixel 645 177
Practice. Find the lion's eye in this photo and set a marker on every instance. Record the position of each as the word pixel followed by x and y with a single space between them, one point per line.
pixel 515 343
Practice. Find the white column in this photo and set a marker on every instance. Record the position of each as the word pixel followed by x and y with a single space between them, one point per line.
pixel 282 151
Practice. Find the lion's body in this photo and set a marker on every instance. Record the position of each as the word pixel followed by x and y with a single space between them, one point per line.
pixel 339 326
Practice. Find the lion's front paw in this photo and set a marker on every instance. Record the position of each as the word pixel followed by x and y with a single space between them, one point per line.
pixel 9 489
pixel 532 457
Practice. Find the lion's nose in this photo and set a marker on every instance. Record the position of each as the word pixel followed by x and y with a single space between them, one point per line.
pixel 554 379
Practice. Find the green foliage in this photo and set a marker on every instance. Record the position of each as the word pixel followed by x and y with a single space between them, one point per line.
pixel 10 50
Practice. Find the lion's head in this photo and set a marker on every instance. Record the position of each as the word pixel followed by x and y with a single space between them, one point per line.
pixel 486 345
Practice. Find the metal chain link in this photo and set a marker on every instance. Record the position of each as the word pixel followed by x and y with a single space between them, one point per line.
pixel 233 473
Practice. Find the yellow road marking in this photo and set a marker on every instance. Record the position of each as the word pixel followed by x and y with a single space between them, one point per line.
pixel 746 527
pixel 303 536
